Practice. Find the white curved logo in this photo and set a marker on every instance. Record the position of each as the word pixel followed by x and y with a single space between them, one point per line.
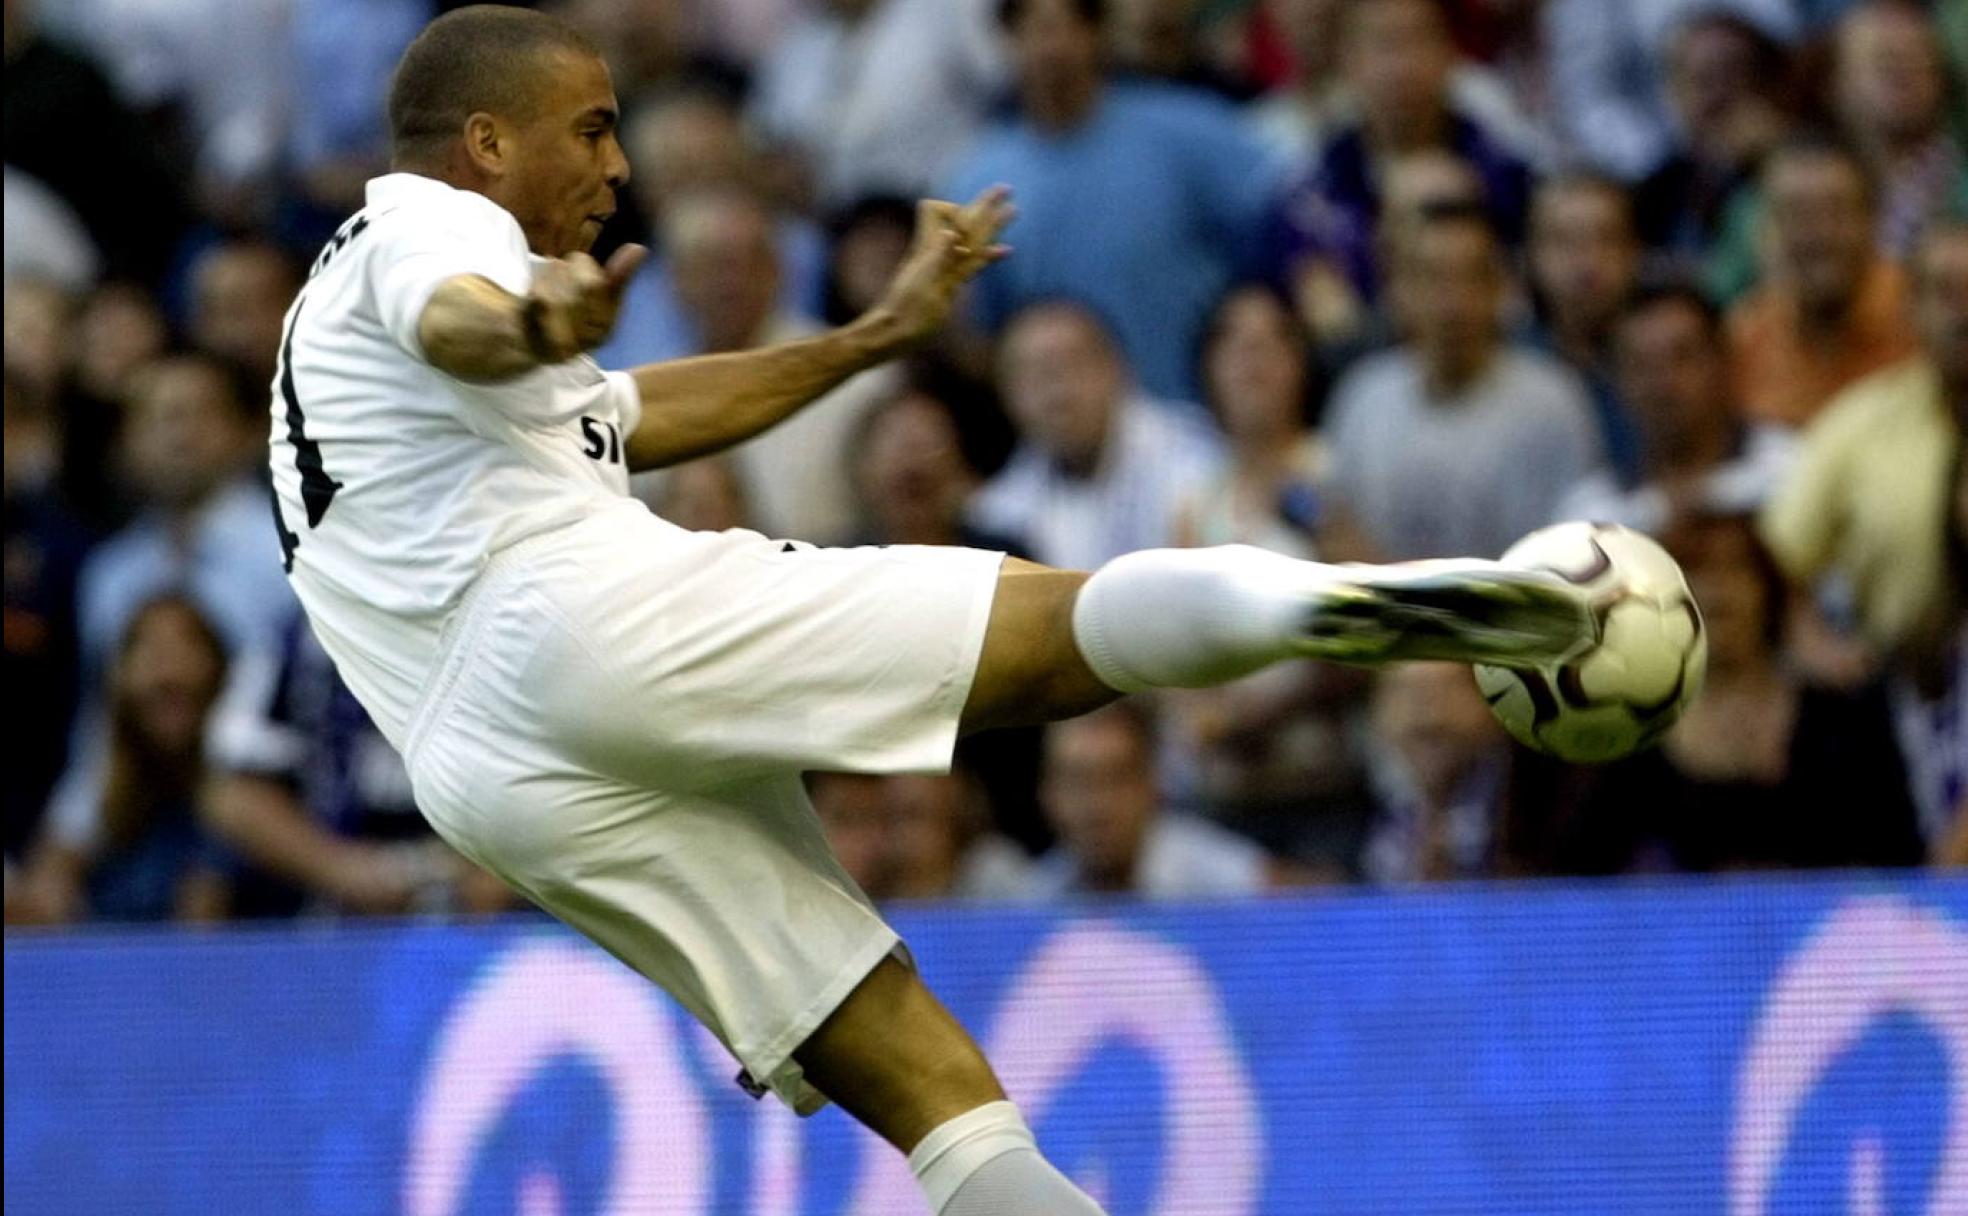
pixel 1086 986
pixel 541 1001
pixel 1872 958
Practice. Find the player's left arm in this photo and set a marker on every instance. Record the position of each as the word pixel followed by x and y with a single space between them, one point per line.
pixel 694 407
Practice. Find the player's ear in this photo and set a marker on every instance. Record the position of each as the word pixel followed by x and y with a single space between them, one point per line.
pixel 484 143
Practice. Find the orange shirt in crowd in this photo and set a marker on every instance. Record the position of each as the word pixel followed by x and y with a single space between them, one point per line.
pixel 1784 376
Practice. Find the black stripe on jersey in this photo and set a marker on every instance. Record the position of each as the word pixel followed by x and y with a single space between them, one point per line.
pixel 317 488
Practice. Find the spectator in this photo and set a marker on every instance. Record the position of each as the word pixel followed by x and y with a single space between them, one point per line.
pixel 1763 770
pixel 1671 362
pixel 867 242
pixel 1441 768
pixel 1455 444
pixel 940 845
pixel 240 291
pixel 913 479
pixel 118 331
pixel 692 141
pixel 45 546
pixel 1891 95
pixel 1271 755
pixel 1584 259
pixel 44 236
pixel 1101 470
pixel 212 79
pixel 655 46
pixel 723 261
pixel 37 320
pixel 914 482
pixel 1398 58
pixel 1930 695
pixel 345 52
pixel 1614 68
pixel 1141 199
pixel 126 844
pixel 854 817
pixel 1867 497
pixel 1176 41
pixel 1728 88
pixel 879 96
pixel 190 446
pixel 1832 310
pixel 1114 838
pixel 53 92
pixel 316 803
pixel 1298 118
pixel 705 495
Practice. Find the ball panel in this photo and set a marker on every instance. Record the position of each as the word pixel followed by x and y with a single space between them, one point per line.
pixel 1630 687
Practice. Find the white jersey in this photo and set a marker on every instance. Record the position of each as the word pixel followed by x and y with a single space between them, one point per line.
pixel 395 483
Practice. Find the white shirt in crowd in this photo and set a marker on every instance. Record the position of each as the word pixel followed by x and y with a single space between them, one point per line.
pixel 884 102
pixel 1154 460
pixel 397 482
pixel 1737 486
pixel 1181 858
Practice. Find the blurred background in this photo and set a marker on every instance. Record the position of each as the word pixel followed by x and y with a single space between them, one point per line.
pixel 1348 279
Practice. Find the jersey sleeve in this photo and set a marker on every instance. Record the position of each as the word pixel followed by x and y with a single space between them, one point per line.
pixel 415 250
pixel 628 400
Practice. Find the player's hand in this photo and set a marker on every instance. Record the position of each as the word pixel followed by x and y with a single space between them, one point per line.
pixel 951 245
pixel 574 301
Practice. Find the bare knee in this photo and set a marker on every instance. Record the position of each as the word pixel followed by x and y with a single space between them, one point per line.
pixel 893 1057
pixel 1030 670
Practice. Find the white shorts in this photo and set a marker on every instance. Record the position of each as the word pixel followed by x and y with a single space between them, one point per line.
pixel 618 725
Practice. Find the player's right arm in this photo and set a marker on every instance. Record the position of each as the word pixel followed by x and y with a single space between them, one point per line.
pixel 477 331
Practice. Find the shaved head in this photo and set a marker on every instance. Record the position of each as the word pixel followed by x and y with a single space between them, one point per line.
pixel 485 58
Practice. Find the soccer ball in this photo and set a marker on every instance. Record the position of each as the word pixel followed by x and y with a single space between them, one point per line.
pixel 1621 693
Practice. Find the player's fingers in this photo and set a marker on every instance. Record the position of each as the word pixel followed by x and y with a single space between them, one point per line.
pixel 981 215
pixel 623 264
pixel 586 274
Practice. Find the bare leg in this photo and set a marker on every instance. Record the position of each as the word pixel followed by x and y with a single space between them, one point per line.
pixel 895 1059
pixel 1030 670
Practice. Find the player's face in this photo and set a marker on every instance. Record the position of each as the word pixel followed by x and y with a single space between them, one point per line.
pixel 565 162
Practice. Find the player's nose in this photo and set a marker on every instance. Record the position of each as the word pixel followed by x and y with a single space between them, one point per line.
pixel 617 169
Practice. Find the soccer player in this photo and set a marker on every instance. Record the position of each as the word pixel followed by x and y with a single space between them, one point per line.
pixel 612 713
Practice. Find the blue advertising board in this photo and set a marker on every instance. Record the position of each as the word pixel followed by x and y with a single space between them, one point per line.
pixel 1750 1047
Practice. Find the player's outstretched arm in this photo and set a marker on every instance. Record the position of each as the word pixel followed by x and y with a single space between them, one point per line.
pixel 694 407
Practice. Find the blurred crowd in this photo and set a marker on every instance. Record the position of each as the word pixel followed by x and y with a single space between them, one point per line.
pixel 1347 279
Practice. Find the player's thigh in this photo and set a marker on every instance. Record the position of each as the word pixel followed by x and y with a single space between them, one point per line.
pixel 1031 670
pixel 893 1057
pixel 684 658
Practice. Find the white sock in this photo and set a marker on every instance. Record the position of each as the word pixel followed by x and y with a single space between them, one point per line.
pixel 1191 618
pixel 984 1162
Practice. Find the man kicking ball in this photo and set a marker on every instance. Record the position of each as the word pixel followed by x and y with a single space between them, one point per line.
pixel 612 713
